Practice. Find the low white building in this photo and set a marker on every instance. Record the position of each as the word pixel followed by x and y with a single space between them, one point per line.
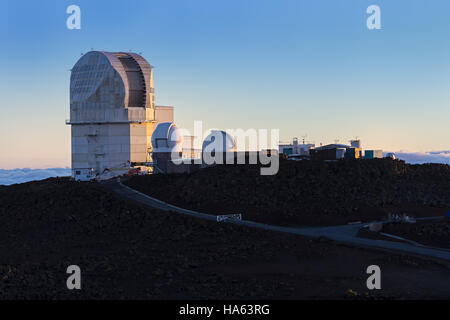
pixel 295 148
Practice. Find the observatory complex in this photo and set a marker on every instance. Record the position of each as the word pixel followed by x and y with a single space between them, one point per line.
pixel 112 113
pixel 117 129
pixel 116 126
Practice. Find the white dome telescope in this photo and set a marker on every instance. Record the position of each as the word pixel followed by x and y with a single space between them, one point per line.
pixel 167 138
pixel 219 141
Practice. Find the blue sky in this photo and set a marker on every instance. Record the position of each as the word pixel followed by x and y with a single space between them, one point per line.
pixel 305 67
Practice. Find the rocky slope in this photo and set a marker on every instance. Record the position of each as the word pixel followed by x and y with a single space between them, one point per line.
pixel 130 252
pixel 309 192
pixel 430 233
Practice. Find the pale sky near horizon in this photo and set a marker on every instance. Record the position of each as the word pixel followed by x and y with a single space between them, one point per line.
pixel 305 67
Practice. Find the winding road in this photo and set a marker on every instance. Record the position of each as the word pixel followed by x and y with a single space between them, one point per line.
pixel 343 234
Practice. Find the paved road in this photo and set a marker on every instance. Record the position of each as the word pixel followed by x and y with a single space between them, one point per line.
pixel 343 234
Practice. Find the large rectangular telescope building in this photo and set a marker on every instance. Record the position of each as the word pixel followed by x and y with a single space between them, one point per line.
pixel 112 112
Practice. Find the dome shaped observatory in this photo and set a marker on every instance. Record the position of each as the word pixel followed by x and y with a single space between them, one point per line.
pixel 112 110
pixel 219 141
pixel 167 138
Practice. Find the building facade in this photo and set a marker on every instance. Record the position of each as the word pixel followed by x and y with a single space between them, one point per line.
pixel 112 112
pixel 295 148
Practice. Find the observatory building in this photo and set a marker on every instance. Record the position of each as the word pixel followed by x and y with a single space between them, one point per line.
pixel 112 113
pixel 172 152
pixel 219 147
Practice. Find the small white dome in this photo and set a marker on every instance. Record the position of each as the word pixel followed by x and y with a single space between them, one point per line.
pixel 167 138
pixel 219 141
pixel 391 155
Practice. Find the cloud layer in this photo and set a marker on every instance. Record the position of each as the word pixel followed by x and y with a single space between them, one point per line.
pixel 424 157
pixel 8 177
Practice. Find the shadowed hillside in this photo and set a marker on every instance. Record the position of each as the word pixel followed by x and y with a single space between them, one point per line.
pixel 308 192
pixel 131 252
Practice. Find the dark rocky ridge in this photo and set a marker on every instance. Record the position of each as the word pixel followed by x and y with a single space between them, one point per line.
pixel 308 192
pixel 130 252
